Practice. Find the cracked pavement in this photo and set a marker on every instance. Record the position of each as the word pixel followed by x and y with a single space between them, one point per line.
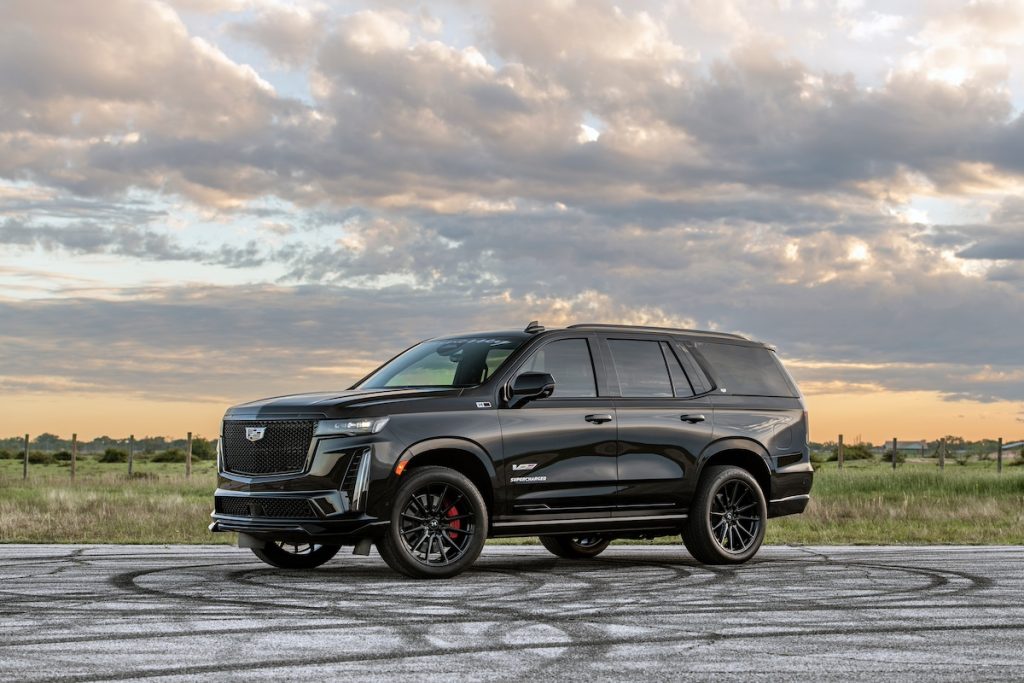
pixel 937 613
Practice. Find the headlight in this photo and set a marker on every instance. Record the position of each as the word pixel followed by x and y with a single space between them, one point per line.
pixel 352 427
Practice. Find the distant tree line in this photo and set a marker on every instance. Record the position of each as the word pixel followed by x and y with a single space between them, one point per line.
pixel 110 448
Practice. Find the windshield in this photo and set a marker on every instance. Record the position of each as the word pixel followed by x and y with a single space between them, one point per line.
pixel 461 362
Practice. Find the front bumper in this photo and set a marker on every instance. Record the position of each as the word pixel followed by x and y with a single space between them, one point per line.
pixel 325 503
pixel 341 530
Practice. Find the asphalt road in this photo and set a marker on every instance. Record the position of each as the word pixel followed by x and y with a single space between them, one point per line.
pixel 827 613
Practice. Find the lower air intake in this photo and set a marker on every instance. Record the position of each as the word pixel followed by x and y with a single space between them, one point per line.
pixel 245 506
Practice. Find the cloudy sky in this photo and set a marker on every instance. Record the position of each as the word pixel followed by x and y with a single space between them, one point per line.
pixel 207 201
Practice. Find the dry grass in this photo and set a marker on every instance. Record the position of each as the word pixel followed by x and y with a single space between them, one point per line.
pixel 914 504
pixel 861 504
pixel 103 506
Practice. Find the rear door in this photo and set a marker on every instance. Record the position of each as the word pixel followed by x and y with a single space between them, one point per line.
pixel 560 452
pixel 664 424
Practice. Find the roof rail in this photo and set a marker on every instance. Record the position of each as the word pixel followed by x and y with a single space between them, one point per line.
pixel 607 326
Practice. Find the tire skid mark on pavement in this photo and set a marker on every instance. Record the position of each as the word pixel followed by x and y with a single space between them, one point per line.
pixel 517 603
pixel 333 625
pixel 488 649
pixel 128 581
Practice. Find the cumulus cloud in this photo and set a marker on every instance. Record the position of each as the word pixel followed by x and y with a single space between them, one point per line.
pixel 550 159
pixel 289 34
pixel 100 102
pixel 85 238
pixel 403 119
pixel 745 279
pixel 183 343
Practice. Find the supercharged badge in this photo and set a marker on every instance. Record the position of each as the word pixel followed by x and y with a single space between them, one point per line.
pixel 527 480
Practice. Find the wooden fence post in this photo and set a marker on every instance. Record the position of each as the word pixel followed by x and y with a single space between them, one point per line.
pixel 942 454
pixel 131 453
pixel 894 452
pixel 841 454
pixel 188 457
pixel 24 465
pixel 999 457
pixel 74 454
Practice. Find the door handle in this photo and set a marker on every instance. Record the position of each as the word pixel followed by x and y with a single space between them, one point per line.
pixel 692 419
pixel 598 419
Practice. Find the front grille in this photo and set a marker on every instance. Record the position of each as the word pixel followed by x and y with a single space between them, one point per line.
pixel 282 449
pixel 244 506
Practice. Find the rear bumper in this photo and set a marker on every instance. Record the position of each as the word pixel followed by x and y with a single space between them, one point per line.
pixel 788 506
pixel 791 489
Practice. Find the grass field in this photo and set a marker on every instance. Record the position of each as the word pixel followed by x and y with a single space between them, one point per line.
pixel 864 503
pixel 918 503
pixel 103 506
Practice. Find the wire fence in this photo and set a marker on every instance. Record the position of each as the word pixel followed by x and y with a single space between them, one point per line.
pixel 894 453
pixel 131 456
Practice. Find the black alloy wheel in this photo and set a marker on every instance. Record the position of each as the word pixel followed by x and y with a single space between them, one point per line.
pixel 576 547
pixel 288 555
pixel 434 528
pixel 726 522
pixel 734 519
pixel 438 525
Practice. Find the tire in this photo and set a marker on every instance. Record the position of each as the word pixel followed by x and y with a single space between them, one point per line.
pixel 576 547
pixel 727 518
pixel 438 525
pixel 295 555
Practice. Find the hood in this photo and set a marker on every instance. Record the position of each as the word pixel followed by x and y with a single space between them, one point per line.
pixel 327 402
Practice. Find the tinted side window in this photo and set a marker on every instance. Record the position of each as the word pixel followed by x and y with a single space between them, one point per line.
pixel 640 367
pixel 680 384
pixel 748 370
pixel 569 362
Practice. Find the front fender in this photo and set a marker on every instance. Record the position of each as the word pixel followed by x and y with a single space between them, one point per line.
pixel 449 443
pixel 384 490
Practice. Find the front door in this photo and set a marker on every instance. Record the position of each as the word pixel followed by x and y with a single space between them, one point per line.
pixel 560 452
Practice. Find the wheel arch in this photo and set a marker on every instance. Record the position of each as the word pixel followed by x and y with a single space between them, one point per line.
pixel 743 453
pixel 462 455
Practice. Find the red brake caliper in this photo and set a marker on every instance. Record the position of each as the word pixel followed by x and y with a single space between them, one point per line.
pixel 455 523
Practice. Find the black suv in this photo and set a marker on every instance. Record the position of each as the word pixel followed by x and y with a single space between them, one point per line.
pixel 577 435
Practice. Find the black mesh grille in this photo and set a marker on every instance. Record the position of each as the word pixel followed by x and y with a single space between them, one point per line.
pixel 244 506
pixel 282 449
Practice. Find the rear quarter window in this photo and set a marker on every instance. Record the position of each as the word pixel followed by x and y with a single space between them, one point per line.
pixel 746 370
pixel 701 383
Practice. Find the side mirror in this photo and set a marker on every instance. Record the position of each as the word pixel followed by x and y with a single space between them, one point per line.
pixel 529 386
